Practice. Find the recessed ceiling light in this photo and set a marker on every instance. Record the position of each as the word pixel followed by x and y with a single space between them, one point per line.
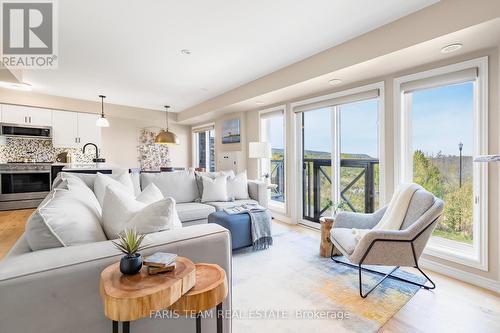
pixel 186 51
pixel 260 103
pixel 333 82
pixel 451 48
pixel 15 85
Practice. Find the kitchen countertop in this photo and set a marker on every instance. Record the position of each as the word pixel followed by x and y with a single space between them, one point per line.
pixel 86 166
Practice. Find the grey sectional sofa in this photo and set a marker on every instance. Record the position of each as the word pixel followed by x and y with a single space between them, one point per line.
pixel 183 187
pixel 57 289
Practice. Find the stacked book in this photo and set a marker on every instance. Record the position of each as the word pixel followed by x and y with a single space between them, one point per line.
pixel 160 262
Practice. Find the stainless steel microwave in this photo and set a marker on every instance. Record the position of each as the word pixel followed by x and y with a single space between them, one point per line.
pixel 26 131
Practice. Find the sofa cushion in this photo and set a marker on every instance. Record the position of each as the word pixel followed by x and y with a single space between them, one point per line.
pixel 102 181
pixel 66 217
pixel 191 211
pixel 180 185
pixel 122 211
pixel 214 189
pixel 344 238
pixel 228 204
pixel 237 186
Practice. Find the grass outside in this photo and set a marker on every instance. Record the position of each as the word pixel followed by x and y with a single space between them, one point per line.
pixel 455 236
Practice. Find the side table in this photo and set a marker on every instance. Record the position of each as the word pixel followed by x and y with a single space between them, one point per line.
pixel 209 291
pixel 326 246
pixel 132 297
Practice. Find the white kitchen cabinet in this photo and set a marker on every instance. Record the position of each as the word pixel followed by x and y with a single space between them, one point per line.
pixel 64 129
pixel 23 115
pixel 87 130
pixel 73 130
pixel 13 114
pixel 40 117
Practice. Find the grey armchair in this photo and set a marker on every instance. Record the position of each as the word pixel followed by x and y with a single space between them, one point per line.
pixel 387 247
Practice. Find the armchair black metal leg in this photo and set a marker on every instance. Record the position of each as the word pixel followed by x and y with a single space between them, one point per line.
pixel 376 285
pixel 428 279
pixel 422 272
pixel 385 275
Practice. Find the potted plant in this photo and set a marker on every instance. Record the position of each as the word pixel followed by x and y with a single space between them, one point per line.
pixel 129 242
pixel 337 208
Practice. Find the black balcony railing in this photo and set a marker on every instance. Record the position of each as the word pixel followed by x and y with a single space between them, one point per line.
pixel 278 178
pixel 358 188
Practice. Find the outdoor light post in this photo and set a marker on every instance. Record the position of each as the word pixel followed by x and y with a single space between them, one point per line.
pixel 460 146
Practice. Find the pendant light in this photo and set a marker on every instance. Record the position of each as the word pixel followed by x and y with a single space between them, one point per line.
pixel 166 137
pixel 102 121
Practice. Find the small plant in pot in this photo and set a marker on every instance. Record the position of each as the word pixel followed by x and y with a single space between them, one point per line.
pixel 129 242
pixel 337 208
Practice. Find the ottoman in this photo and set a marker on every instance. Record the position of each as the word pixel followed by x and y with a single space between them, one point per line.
pixel 237 224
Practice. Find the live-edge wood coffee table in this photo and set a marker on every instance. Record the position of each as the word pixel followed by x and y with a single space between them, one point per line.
pixel 132 297
pixel 209 291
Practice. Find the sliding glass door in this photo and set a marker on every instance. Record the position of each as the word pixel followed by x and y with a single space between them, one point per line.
pixel 317 163
pixel 340 157
pixel 359 157
pixel 272 126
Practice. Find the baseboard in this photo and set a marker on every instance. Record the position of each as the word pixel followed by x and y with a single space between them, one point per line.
pixel 458 274
pixel 281 217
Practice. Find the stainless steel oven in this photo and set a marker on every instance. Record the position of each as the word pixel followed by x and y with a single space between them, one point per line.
pixel 23 185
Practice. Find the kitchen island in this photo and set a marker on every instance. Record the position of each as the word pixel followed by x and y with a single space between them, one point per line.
pixel 105 168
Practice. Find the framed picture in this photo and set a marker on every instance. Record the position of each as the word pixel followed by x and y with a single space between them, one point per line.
pixel 231 131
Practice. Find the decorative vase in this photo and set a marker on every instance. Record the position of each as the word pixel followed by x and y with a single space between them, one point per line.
pixel 131 264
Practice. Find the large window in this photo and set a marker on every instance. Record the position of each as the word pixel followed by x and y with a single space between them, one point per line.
pixel 340 153
pixel 442 143
pixel 204 148
pixel 442 128
pixel 273 131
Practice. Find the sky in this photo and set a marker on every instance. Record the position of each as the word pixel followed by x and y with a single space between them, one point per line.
pixel 441 119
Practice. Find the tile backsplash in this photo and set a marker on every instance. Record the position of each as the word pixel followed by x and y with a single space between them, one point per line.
pixel 18 149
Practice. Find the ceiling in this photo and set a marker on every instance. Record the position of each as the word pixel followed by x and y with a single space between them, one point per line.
pixel 377 68
pixel 131 50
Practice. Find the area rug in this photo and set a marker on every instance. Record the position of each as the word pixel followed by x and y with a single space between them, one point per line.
pixel 290 288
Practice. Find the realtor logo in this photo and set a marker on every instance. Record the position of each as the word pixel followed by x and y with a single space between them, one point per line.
pixel 28 34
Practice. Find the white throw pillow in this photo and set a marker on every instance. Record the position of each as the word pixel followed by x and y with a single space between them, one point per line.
pixel 102 181
pixel 64 218
pixel 210 174
pixel 150 194
pixel 214 189
pixel 237 186
pixel 122 211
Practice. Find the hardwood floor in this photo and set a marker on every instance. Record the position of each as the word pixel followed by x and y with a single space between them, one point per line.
pixel 454 306
pixel 11 227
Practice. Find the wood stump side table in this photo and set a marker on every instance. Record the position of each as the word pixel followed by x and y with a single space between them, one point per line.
pixel 326 245
pixel 131 297
pixel 209 291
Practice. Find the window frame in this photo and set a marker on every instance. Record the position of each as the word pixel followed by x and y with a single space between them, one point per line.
pixel 195 131
pixel 297 116
pixel 279 207
pixel 475 256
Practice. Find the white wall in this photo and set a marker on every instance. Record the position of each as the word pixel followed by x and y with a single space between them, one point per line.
pixel 119 142
pixel 241 146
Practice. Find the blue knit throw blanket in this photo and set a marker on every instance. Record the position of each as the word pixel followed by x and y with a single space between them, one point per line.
pixel 260 221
